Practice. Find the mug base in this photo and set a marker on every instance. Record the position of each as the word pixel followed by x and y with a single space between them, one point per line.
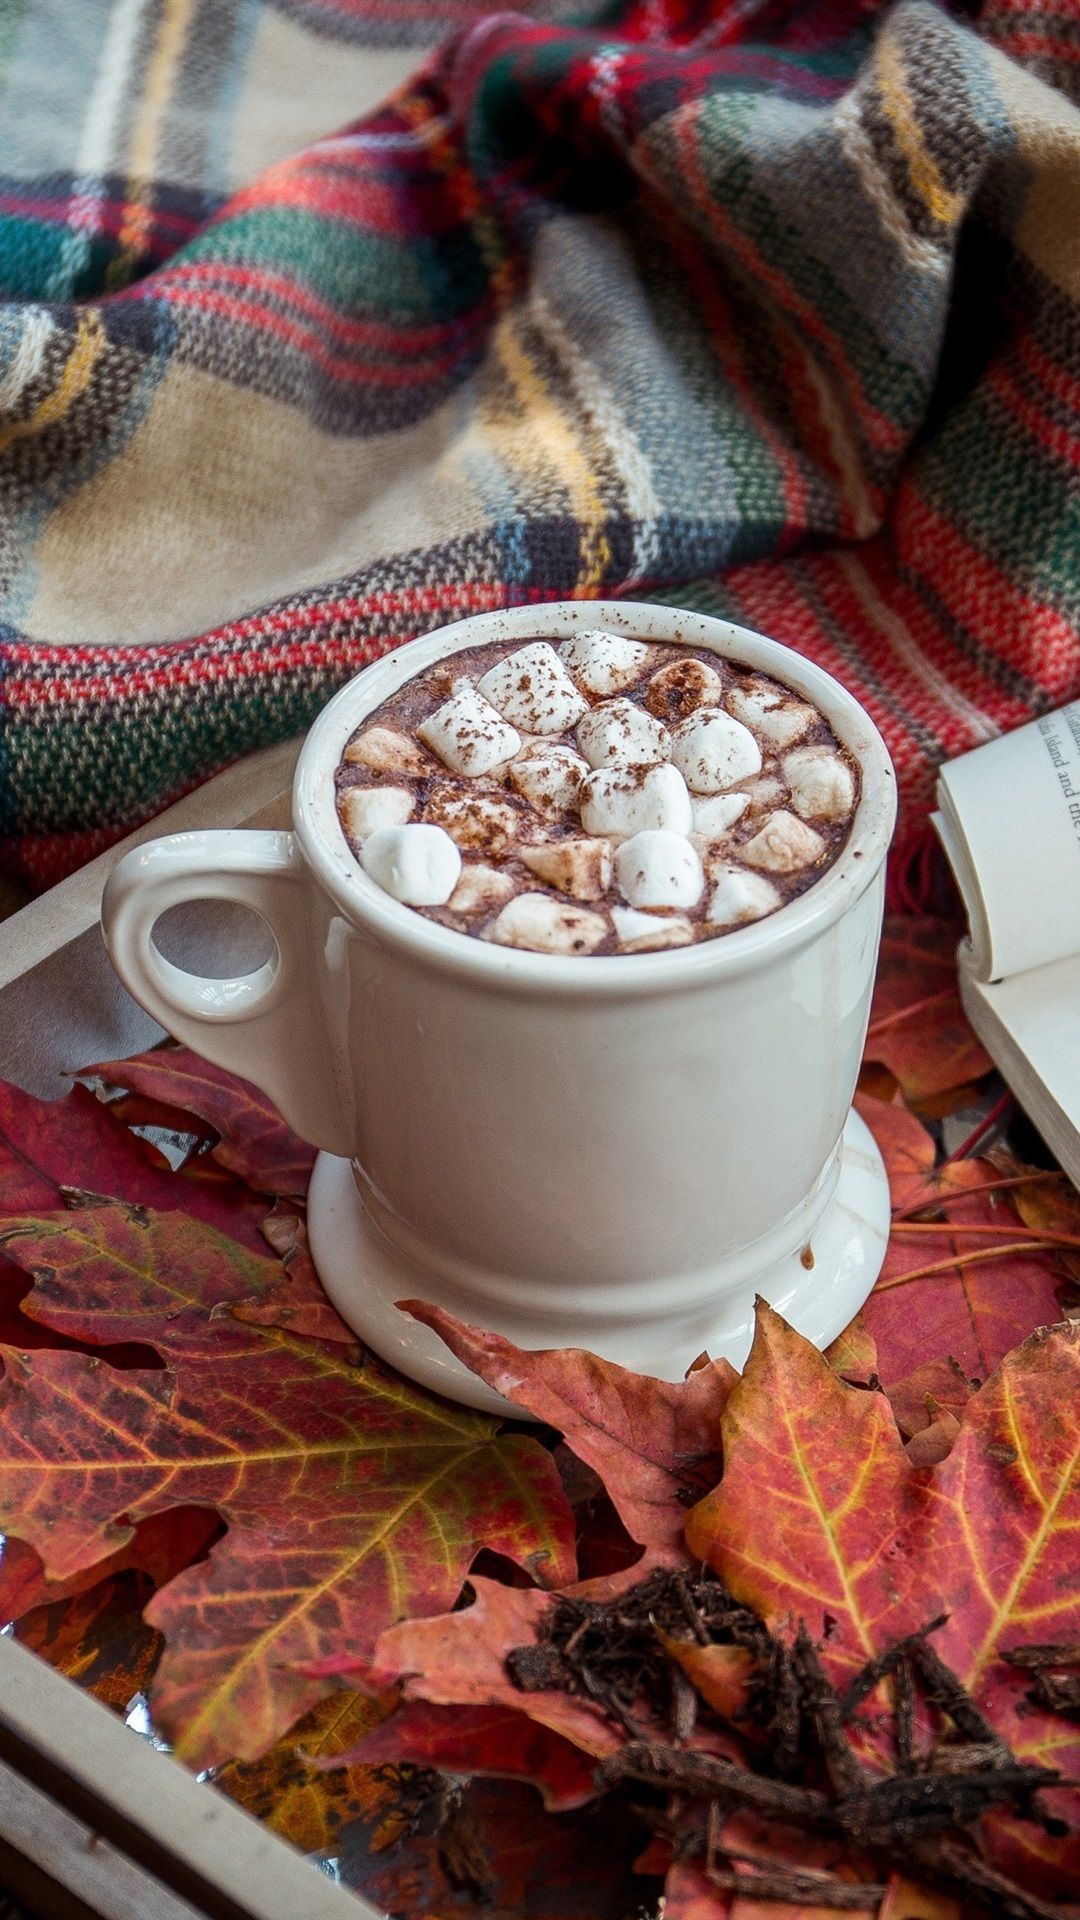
pixel 364 1276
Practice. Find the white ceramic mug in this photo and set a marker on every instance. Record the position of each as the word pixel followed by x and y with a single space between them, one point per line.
pixel 613 1152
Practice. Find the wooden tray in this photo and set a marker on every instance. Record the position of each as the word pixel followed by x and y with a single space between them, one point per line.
pixel 95 1823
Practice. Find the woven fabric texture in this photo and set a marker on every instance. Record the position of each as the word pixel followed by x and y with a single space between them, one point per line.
pixel 327 321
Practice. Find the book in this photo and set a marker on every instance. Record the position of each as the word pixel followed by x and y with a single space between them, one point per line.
pixel 1009 820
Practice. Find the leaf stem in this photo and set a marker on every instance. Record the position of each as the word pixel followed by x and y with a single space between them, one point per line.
pixel 936 1198
pixel 963 1260
pixel 972 1226
pixel 985 1125
pixel 906 1013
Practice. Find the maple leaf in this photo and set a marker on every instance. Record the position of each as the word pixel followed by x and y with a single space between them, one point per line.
pixel 485 1741
pixel 459 1659
pixel 500 1854
pixel 865 1547
pixel 969 1310
pixel 937 1384
pixel 649 1440
pixel 304 1787
pixel 854 1351
pixel 918 1028
pixel 904 1900
pixel 98 1638
pixel 77 1143
pixel 159 1547
pixel 747 1849
pixel 350 1497
pixel 295 1300
pixel 254 1142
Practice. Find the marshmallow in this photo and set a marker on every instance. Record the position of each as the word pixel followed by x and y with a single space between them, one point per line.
pixel 619 734
pixel 468 734
pixel 822 785
pixel 681 687
pixel 715 814
pixel 766 793
pixel 716 855
pixel 363 810
pixel 481 889
pixel 549 776
pixel 713 751
pixel 578 867
pixel 533 689
pixel 604 662
pixel 639 931
pixel 783 844
pixel 386 751
pixel 741 896
pixel 658 868
pixel 478 822
pixel 544 925
pixel 626 800
pixel 415 864
pixel 771 711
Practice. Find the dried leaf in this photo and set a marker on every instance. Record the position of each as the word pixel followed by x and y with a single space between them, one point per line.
pixel 854 1352
pixel 497 1852
pixel 971 1311
pixel 459 1659
pixel 940 1383
pixel 349 1497
pixel 653 1442
pixel 99 1638
pixel 254 1142
pixel 933 1441
pixel 834 1463
pixel 1049 1206
pixel 721 1675
pixel 488 1741
pixel 905 1900
pixel 296 1299
pixel 159 1547
pixel 918 1028
pixel 121 1275
pixel 689 1895
pixel 1004 1520
pixel 47 1145
pixel 866 1548
pixel 758 1848
pixel 304 1788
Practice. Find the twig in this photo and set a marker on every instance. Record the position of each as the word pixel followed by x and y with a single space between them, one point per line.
pixel 846 1775
pixel 704 1776
pixel 946 1691
pixel 973 1226
pixel 693 1616
pixel 935 1198
pixel 986 1125
pixel 904 1708
pixel 904 1807
pixel 944 1860
pixel 1045 1653
pixel 883 1664
pixel 966 1260
pixel 774 1883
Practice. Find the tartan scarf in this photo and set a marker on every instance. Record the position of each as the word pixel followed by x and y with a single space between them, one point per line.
pixel 769 308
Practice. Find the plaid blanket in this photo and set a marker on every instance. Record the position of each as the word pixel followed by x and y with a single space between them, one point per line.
pixel 769 307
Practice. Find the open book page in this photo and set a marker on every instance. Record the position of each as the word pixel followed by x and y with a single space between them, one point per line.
pixel 1009 821
pixel 1030 1025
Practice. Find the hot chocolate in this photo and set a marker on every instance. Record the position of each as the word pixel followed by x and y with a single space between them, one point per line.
pixel 598 796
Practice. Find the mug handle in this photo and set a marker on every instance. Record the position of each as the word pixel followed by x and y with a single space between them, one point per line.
pixel 267 1025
